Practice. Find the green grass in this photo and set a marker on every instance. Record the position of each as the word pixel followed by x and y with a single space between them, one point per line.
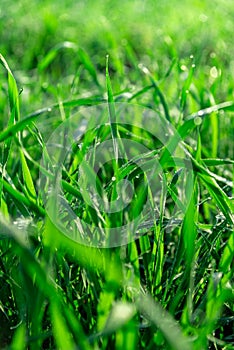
pixel 169 283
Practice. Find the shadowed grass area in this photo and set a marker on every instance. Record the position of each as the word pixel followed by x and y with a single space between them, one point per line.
pixel 171 287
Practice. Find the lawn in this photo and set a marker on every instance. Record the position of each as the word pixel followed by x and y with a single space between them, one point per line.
pixel 116 175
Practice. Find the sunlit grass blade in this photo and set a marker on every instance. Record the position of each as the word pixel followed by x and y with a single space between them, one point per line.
pixel 127 337
pixel 20 198
pixel 52 54
pixel 19 339
pixel 112 112
pixel 13 93
pixel 185 89
pixel 61 332
pixel 106 300
pixel 89 257
pixel 158 91
pixel 225 106
pixel 120 314
pixel 27 176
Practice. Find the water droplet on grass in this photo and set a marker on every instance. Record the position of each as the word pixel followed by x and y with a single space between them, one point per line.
pixel 197 121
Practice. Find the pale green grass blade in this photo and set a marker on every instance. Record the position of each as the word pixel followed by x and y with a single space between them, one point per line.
pixel 164 322
pixel 225 106
pixel 120 314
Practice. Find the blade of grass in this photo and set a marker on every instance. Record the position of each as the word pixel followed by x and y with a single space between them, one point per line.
pixel 13 93
pixel 225 106
pixel 220 197
pixel 227 256
pixel 164 322
pixel 61 332
pixel 158 91
pixel 19 338
pixel 18 196
pixel 27 176
pixel 81 53
pixel 215 162
pixel 23 123
pixel 185 89
pixel 14 114
pixel 112 113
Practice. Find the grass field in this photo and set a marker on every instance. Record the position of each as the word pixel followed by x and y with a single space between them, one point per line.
pixel 116 175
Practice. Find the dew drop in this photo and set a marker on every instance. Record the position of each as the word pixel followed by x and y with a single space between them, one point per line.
pixel 197 121
pixel 183 67
pixel 214 72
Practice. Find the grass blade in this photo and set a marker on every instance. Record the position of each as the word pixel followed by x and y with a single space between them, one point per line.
pixel 164 322
pixel 23 123
pixel 158 91
pixel 13 93
pixel 62 337
pixel 27 176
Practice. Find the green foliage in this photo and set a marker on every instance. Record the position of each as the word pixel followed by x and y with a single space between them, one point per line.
pixel 171 287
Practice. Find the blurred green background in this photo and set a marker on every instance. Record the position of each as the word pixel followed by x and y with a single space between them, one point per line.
pixel 203 28
pixel 155 34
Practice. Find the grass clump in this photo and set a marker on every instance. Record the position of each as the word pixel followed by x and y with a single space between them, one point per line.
pixel 156 269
